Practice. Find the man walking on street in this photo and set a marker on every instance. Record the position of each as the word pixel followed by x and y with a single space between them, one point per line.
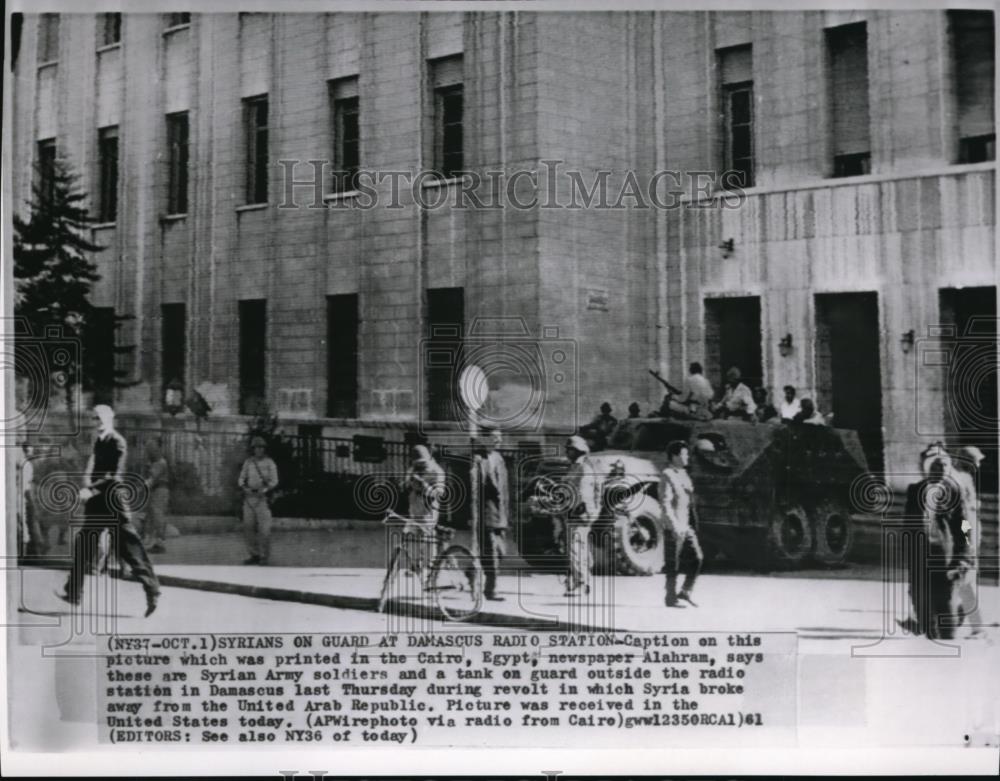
pixel 258 477
pixel 490 508
pixel 584 509
pixel 677 497
pixel 105 508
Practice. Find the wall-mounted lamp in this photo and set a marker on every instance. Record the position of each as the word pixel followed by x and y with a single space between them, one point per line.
pixel 785 345
pixel 906 341
pixel 728 247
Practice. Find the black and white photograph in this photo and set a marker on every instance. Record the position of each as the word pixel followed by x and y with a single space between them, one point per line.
pixel 481 388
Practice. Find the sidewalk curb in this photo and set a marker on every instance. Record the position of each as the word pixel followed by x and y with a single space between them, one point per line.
pixel 370 604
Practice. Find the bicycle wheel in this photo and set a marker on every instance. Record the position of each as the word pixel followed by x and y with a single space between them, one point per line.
pixel 390 586
pixel 456 582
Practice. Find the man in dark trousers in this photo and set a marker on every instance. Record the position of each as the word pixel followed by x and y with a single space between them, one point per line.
pixel 105 507
pixel 940 554
pixel 490 508
pixel 681 548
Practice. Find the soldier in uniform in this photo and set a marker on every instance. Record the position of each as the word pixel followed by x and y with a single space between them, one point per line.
pixel 258 477
pixel 490 508
pixel 583 511
pixel 105 508
pixel 940 555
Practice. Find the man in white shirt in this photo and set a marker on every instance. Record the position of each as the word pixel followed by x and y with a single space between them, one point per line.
pixel 682 552
pixel 738 400
pixel 791 406
pixel 698 389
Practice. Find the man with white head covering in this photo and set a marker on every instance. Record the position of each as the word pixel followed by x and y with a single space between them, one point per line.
pixel 105 508
pixel 738 399
pixel 584 509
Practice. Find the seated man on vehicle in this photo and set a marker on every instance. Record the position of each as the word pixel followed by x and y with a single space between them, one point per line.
pixel 809 414
pixel 738 400
pixel 601 427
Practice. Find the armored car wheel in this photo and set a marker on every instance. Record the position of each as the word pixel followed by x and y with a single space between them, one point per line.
pixel 833 532
pixel 789 537
pixel 638 539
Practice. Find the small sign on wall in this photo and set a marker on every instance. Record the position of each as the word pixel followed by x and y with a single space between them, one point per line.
pixel 598 299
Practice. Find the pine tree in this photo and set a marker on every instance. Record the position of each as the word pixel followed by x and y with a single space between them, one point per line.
pixel 53 277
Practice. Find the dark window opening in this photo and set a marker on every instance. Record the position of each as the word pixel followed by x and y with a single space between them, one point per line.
pixel 177 161
pixel 173 345
pixel 101 342
pixel 974 58
pixel 978 149
pixel 736 81
pixel 48 38
pixel 346 134
pixel 442 354
pixel 342 356
pixel 178 19
pixel 107 154
pixel 847 73
pixel 852 165
pixel 448 108
pixel 253 352
pixel 47 170
pixel 111 29
pixel 255 113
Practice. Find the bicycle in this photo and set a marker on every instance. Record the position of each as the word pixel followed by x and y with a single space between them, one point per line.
pixel 453 576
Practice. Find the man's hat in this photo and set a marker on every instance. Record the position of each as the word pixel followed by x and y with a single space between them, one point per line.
pixel 578 444
pixel 973 454
pixel 258 441
pixel 733 374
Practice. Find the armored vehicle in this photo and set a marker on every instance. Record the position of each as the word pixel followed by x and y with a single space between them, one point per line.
pixel 768 496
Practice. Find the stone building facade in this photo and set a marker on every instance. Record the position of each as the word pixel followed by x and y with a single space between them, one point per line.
pixel 866 221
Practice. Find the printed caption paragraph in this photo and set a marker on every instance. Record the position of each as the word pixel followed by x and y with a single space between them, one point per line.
pixel 544 689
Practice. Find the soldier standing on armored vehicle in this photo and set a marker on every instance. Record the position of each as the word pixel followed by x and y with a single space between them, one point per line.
pixel 677 498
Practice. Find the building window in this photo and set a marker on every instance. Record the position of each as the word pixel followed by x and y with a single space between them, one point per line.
pixel 177 161
pixel 47 169
pixel 446 78
pixel 847 74
pixel 972 41
pixel 178 20
pixel 736 88
pixel 346 133
pixel 173 343
pixel 111 29
pixel 253 352
pixel 443 352
pixel 255 119
pixel 48 38
pixel 107 160
pixel 342 356
pixel 101 344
